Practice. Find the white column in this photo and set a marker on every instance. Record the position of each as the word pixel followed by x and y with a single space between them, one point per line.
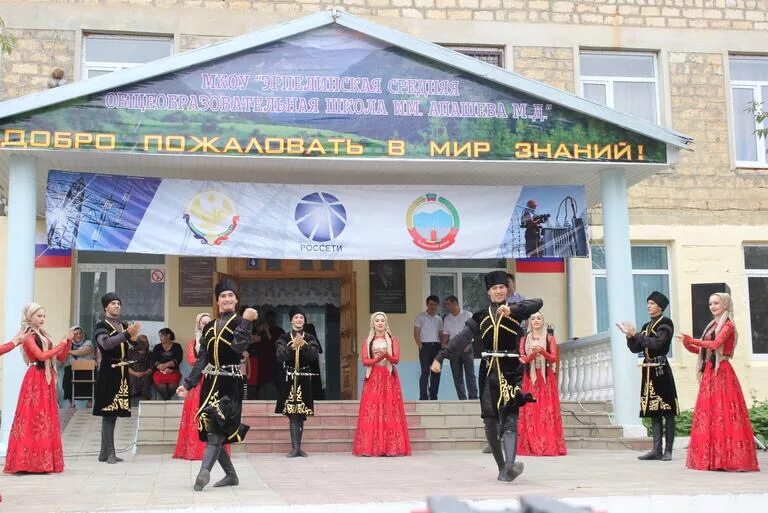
pixel 621 302
pixel 19 276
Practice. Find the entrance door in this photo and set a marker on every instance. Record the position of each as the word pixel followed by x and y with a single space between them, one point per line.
pixel 141 288
pixel 348 342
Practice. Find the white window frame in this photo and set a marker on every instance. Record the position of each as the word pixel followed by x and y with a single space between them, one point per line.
pixel 608 82
pixel 111 270
pixel 86 65
pixel 762 142
pixel 601 273
pixel 752 273
pixel 456 273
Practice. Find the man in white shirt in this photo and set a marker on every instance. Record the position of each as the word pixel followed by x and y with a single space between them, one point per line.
pixel 427 330
pixel 464 363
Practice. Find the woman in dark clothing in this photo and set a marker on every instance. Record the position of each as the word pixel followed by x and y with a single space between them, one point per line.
pixel 140 371
pixel 166 359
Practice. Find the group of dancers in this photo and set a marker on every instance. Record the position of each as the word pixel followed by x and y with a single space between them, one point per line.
pixel 519 402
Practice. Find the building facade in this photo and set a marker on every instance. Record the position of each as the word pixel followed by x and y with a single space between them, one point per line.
pixel 689 65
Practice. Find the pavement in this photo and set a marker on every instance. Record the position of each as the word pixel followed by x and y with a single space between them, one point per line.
pixel 612 481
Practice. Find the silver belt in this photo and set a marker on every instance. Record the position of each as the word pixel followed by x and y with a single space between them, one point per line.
pixel 230 371
pixel 651 365
pixel 299 373
pixel 499 354
pixel 122 363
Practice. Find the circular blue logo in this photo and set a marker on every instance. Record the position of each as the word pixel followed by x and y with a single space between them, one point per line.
pixel 320 216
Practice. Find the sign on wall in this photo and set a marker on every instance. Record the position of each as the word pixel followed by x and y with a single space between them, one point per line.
pixel 328 92
pixel 287 221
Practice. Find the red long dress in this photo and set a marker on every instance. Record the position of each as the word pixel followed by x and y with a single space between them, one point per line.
pixel 721 433
pixel 4 349
pixel 34 444
pixel 539 427
pixel 382 429
pixel 188 443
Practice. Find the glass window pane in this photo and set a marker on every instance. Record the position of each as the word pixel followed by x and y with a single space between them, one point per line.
pixel 327 265
pixel 601 303
pixel 442 286
pixel 142 299
pixel 636 99
pixel 107 257
pixel 617 65
pixel 93 285
pixel 756 257
pixel 102 48
pixel 273 265
pixel 596 93
pixel 649 257
pixel 471 263
pixel 744 125
pixel 758 313
pixel 598 257
pixel 97 72
pixel 306 265
pixel 473 292
pixel 749 68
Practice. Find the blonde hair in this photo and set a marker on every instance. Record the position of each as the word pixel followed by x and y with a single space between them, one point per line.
pixel 198 329
pixel 372 332
pixel 27 312
pixel 717 324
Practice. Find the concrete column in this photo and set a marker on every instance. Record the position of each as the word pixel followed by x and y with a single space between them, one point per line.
pixel 621 302
pixel 19 276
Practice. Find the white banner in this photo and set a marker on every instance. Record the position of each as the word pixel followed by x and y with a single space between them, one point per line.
pixel 279 221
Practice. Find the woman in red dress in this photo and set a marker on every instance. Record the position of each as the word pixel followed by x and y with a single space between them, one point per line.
pixel 382 429
pixel 7 347
pixel 540 428
pixel 34 444
pixel 188 444
pixel 721 434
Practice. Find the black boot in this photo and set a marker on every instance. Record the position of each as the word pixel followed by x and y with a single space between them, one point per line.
pixel 230 477
pixel 297 428
pixel 512 469
pixel 104 437
pixel 494 444
pixel 669 435
pixel 110 439
pixel 655 453
pixel 210 456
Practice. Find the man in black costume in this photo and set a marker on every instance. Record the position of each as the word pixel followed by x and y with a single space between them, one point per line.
pixel 113 338
pixel 222 343
pixel 658 394
pixel 297 350
pixel 501 373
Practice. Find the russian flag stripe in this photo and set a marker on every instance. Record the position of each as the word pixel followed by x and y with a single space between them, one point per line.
pixel 540 265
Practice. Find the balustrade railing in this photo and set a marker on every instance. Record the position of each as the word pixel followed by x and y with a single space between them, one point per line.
pixel 586 373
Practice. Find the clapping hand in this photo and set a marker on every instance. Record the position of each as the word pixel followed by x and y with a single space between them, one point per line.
pixel 181 391
pixel 503 311
pixel 133 329
pixel 627 328
pixel 297 342
pixel 250 314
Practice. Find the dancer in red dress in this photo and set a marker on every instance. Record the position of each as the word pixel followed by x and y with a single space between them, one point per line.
pixel 34 444
pixel 721 434
pixel 188 444
pixel 540 428
pixel 382 429
pixel 7 347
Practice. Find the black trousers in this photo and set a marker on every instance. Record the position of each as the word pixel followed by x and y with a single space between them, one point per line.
pixel 464 364
pixel 429 382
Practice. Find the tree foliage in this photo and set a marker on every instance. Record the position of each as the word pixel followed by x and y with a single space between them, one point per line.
pixel 7 41
pixel 761 116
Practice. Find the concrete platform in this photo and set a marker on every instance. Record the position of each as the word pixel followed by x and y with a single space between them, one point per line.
pixel 615 481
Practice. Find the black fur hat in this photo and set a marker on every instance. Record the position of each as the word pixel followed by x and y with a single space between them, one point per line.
pixel 296 310
pixel 659 298
pixel 225 285
pixel 108 298
pixel 495 278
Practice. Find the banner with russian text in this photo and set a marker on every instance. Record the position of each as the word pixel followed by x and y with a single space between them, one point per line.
pixel 328 92
pixel 286 221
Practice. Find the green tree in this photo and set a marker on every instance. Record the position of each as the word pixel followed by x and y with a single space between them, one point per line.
pixel 761 116
pixel 7 41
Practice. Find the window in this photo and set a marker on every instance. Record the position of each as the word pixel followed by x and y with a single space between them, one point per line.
pixel 105 53
pixel 622 81
pixel 756 267
pixel 488 54
pixel 650 271
pixel 463 278
pixel 749 83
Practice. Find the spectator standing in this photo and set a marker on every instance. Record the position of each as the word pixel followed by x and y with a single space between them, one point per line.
pixel 82 349
pixel 463 364
pixel 427 328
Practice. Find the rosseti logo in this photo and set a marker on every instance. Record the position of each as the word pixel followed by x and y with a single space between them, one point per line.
pixel 320 216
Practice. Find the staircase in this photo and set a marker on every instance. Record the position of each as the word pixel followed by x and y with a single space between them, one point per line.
pixel 433 425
